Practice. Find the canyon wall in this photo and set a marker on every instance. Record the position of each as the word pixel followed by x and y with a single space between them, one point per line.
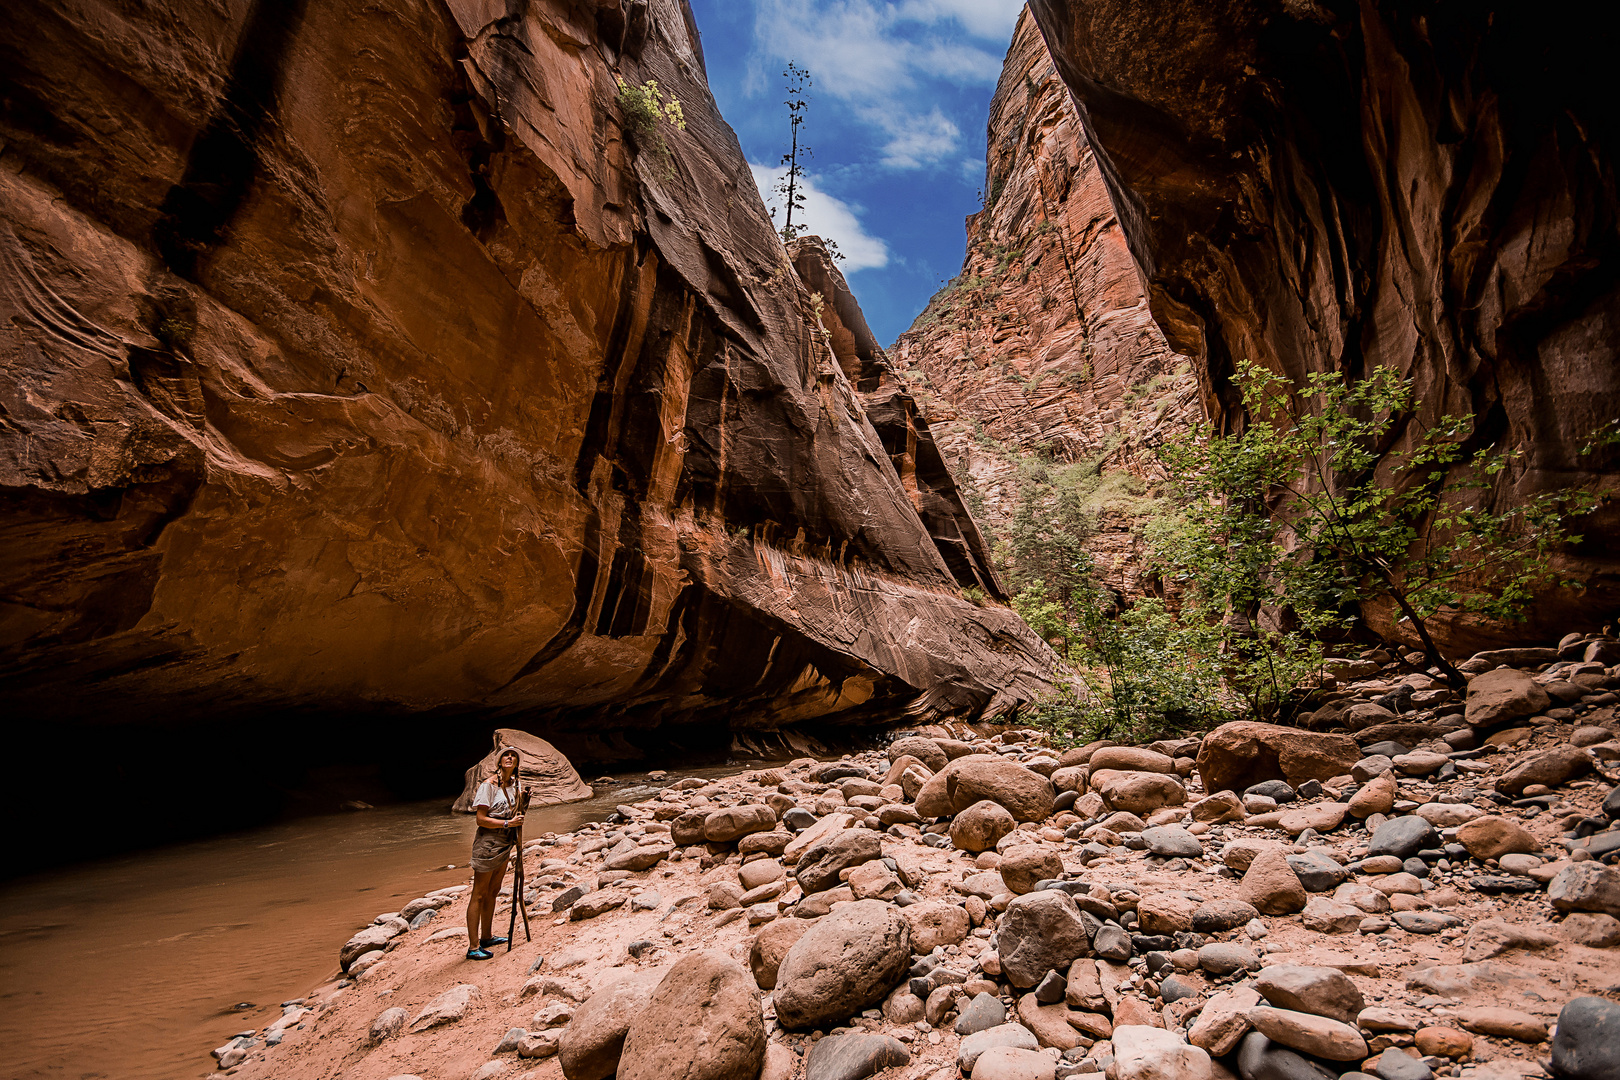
pixel 357 356
pixel 1044 350
pixel 1335 186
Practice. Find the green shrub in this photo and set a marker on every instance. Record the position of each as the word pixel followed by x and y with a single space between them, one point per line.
pixel 645 113
pixel 1144 674
pixel 1284 528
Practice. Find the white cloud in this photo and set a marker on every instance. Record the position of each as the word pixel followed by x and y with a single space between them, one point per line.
pixel 990 19
pixel 827 217
pixel 914 141
pixel 880 57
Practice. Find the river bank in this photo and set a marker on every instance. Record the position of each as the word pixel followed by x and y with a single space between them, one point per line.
pixel 132 966
pixel 1425 894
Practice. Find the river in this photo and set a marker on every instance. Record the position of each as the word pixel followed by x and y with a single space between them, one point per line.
pixel 135 966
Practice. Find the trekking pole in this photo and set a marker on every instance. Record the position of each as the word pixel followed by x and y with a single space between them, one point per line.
pixel 517 881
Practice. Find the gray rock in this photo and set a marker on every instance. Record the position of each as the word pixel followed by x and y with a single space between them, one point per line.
pixel 1389 748
pixel 1172 841
pixel 567 898
pixel 1223 958
pixel 1586 886
pixel 1039 932
pixel 1403 837
pixel 853 1057
pixel 1112 943
pixel 510 1041
pixel 1369 767
pixel 1214 916
pixel 1016 1036
pixel 1316 871
pixel 1175 988
pixel 1322 991
pixel 1052 988
pixel 1587 1044
pixel 798 819
pixel 984 1012
pixel 1425 922
pixel 1273 789
pixel 1394 1065
pixel 1258 1058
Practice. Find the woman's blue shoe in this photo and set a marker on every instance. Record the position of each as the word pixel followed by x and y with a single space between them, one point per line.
pixel 480 954
pixel 491 942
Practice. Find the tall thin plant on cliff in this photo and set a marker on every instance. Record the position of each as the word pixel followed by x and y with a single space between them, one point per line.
pixel 791 184
pixel 1285 527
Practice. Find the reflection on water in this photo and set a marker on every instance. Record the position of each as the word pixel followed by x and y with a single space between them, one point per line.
pixel 137 966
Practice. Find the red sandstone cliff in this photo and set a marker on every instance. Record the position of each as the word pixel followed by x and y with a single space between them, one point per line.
pixel 1044 345
pixel 1336 185
pixel 354 356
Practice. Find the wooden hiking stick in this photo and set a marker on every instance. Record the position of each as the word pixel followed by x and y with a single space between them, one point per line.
pixel 517 879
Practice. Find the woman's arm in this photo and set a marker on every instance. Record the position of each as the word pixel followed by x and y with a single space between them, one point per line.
pixel 496 823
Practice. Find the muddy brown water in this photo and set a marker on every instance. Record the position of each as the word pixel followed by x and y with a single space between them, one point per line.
pixel 134 967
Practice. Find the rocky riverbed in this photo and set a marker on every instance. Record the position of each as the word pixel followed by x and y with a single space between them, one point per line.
pixel 1425 889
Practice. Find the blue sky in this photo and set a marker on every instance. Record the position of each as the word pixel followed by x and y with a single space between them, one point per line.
pixel 897 112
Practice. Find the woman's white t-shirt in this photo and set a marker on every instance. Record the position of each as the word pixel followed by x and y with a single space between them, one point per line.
pixel 498 800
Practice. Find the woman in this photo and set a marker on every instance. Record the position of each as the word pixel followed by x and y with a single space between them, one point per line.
pixel 499 827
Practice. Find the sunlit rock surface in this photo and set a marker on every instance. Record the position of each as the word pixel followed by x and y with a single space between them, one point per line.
pixel 1044 345
pixel 356 355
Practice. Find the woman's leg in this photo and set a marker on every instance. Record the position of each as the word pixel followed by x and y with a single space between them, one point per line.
pixel 492 889
pixel 475 904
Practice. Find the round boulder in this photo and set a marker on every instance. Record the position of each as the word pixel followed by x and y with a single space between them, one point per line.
pixel 1040 932
pixel 1494 836
pixel 924 750
pixel 1236 756
pixel 848 961
pixel 1026 794
pixel 1021 867
pixel 980 826
pixel 594 1039
pixel 770 947
pixel 733 822
pixel 1131 759
pixel 703 1022
pixel 1271 885
pixel 1138 792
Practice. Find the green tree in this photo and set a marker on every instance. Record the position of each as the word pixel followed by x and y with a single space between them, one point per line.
pixel 1286 526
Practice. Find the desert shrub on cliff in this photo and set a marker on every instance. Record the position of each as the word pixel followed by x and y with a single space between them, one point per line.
pixel 645 114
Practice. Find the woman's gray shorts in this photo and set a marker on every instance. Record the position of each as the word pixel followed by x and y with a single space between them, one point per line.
pixel 490 846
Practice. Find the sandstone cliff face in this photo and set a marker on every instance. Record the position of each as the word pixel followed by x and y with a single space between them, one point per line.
pixel 356 355
pixel 1336 186
pixel 1044 345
